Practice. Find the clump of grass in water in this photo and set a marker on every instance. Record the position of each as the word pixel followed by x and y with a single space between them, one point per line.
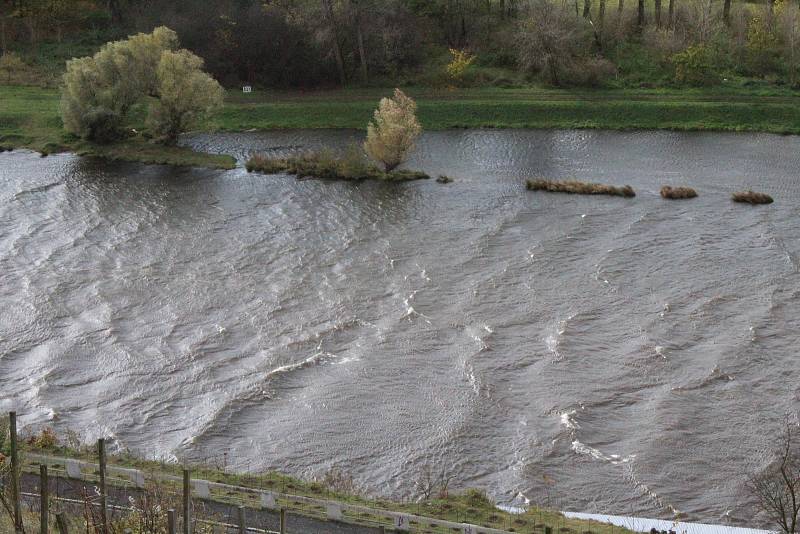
pixel 751 197
pixel 442 179
pixel 676 193
pixel 326 165
pixel 579 188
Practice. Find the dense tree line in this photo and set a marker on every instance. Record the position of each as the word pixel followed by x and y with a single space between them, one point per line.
pixel 311 43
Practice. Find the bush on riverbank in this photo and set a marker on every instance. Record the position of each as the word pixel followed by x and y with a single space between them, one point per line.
pixel 325 165
pixel 579 188
pixel 751 197
pixel 677 193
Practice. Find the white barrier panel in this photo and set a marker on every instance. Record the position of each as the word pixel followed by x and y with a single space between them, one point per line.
pixel 200 488
pixel 268 500
pixel 402 522
pixel 334 511
pixel 74 469
pixel 641 524
pixel 138 479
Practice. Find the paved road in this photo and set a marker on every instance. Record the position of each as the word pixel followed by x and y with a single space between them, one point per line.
pixel 75 489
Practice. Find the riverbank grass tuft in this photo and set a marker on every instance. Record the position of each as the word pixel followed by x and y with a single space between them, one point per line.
pixel 579 188
pixel 677 193
pixel 325 165
pixel 752 197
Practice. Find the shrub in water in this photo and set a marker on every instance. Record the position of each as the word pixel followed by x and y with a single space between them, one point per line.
pixel 579 188
pixel 677 192
pixel 751 197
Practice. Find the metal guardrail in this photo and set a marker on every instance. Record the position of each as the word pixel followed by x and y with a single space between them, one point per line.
pixel 215 524
pixel 202 489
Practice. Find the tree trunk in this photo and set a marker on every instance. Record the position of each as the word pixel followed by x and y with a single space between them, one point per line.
pixel 362 54
pixel 671 13
pixel 640 17
pixel 587 8
pixel 620 7
pixel 337 47
pixel 114 11
pixel 601 13
pixel 657 8
pixel 726 13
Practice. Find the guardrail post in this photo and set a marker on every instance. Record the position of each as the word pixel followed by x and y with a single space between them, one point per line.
pixel 171 522
pixel 44 489
pixel 283 521
pixel 61 523
pixel 242 521
pixel 101 453
pixel 12 428
pixel 187 498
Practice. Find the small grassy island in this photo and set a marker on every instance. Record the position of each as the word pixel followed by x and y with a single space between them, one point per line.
pixel 579 188
pixel 326 166
pixel 677 193
pixel 390 137
pixel 751 197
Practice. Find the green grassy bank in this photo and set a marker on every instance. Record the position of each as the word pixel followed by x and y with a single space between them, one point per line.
pixel 458 505
pixel 736 109
pixel 29 117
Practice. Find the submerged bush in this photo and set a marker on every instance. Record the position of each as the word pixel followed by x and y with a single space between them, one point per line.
pixel 678 192
pixel 326 166
pixel 751 197
pixel 579 188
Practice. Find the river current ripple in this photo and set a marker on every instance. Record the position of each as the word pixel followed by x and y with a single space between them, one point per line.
pixel 628 356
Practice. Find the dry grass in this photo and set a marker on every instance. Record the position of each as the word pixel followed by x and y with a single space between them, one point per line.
pixel 751 197
pixel 579 188
pixel 676 193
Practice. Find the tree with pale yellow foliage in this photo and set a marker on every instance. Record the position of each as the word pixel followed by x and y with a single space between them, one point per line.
pixel 99 91
pixel 393 131
pixel 184 94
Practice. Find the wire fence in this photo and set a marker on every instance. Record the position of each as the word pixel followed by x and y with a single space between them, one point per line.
pixel 67 495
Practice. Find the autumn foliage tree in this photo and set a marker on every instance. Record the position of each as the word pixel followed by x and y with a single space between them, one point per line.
pixel 393 131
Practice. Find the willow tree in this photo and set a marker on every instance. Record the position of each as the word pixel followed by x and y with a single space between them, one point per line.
pixel 99 91
pixel 184 95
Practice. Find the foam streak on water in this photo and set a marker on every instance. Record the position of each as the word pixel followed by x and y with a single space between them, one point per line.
pixel 606 354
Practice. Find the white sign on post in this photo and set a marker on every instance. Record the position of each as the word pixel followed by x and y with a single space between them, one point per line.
pixel 402 522
pixel 268 500
pixel 74 469
pixel 247 89
pixel 334 511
